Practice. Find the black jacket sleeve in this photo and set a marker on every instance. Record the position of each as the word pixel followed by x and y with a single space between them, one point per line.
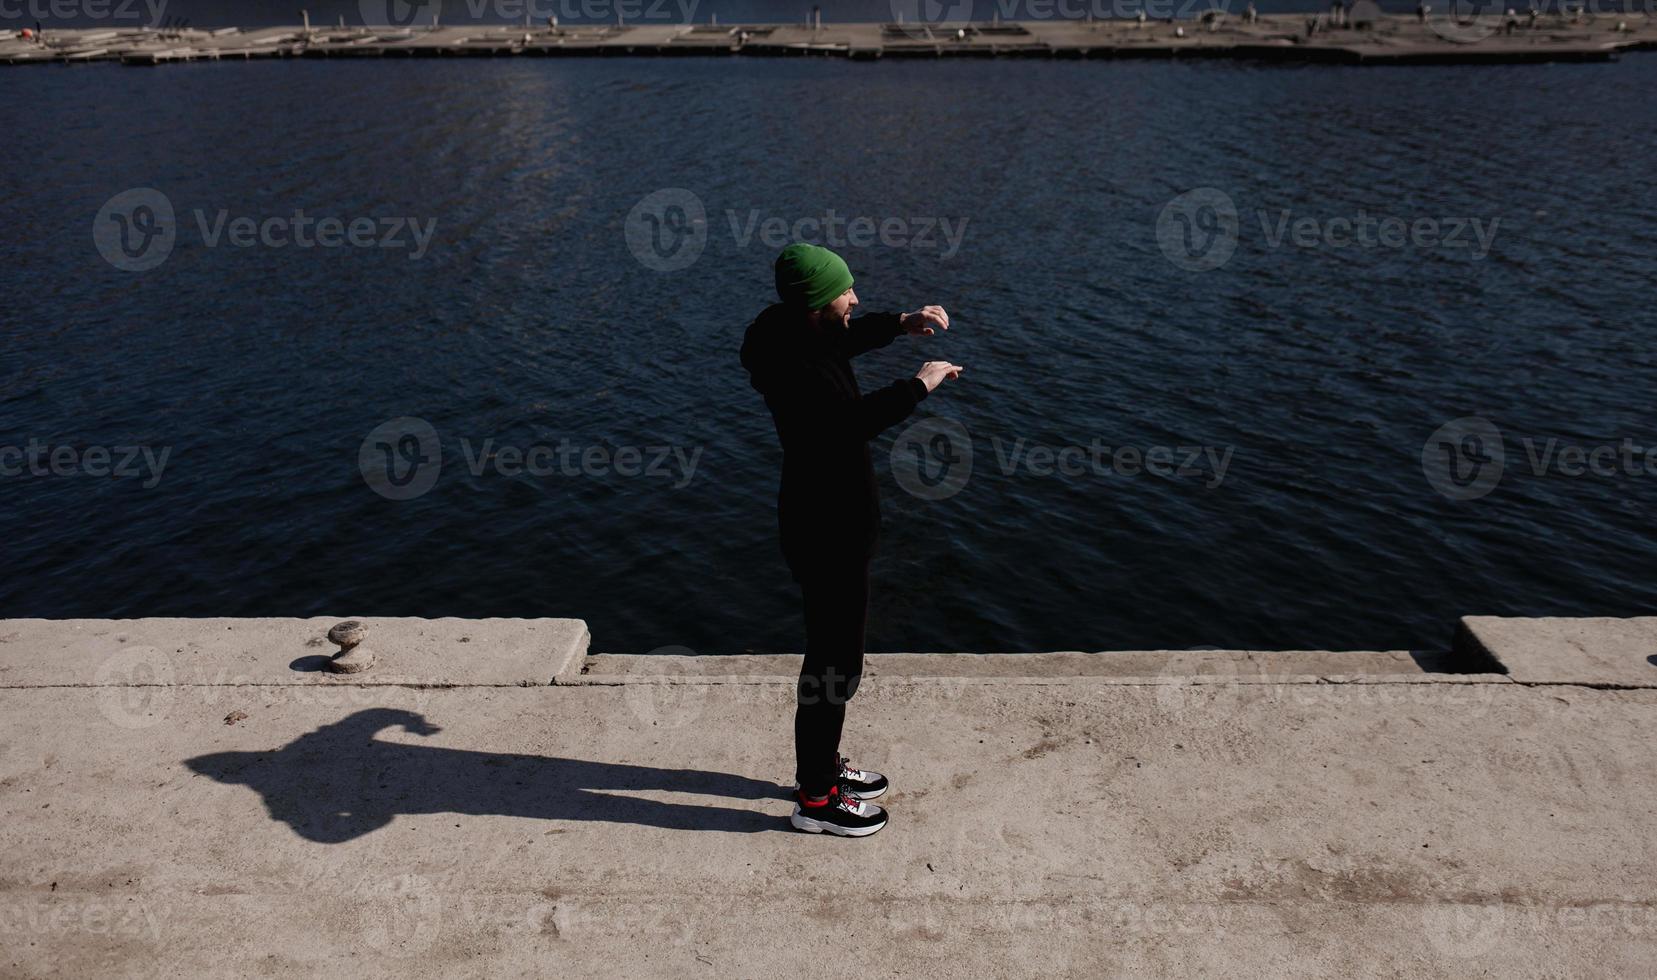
pixel 814 406
pixel 871 332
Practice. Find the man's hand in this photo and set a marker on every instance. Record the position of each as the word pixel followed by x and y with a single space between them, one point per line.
pixel 921 322
pixel 933 373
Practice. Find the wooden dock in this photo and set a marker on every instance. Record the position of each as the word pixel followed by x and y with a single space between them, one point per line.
pixel 1386 40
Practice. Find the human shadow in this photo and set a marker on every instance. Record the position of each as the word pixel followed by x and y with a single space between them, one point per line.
pixel 340 782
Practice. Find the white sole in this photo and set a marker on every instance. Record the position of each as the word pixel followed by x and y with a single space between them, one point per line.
pixel 810 826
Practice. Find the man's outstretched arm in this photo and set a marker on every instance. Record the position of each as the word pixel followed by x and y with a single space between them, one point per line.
pixel 871 332
pixel 875 330
pixel 813 406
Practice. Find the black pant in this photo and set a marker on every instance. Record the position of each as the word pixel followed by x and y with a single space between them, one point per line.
pixel 836 594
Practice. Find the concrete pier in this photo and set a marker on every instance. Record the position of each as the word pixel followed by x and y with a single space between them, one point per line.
pixel 490 798
pixel 1388 39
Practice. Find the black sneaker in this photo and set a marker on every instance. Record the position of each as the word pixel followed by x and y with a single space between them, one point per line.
pixel 861 784
pixel 838 814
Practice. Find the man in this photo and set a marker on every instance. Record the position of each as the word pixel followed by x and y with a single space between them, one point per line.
pixel 797 354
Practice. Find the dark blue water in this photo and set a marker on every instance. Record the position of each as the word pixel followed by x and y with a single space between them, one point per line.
pixel 529 321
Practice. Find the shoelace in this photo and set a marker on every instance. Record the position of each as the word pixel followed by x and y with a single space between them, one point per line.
pixel 847 799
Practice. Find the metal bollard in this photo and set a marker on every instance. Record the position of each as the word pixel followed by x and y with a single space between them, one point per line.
pixel 351 658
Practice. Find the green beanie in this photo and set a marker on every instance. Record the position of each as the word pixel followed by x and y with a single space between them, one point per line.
pixel 811 276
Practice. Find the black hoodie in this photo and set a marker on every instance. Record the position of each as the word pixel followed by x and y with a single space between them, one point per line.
pixel 828 506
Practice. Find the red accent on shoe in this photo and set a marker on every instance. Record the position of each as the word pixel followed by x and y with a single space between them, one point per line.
pixel 808 801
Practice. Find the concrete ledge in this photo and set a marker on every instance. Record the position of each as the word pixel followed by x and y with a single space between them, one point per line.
pixel 1392 39
pixel 176 652
pixel 1117 667
pixel 1422 831
pixel 1606 652
pixel 1057 821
